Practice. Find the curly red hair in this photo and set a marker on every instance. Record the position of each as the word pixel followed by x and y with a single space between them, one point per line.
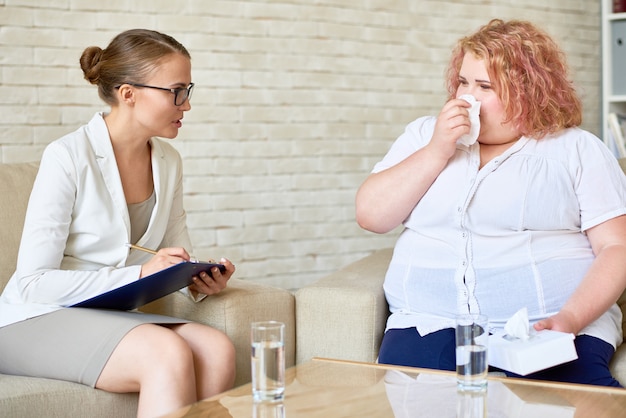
pixel 529 73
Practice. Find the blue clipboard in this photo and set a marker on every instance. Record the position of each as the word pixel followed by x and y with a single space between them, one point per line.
pixel 149 288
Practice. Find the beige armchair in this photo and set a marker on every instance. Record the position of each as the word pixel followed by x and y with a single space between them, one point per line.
pixel 231 311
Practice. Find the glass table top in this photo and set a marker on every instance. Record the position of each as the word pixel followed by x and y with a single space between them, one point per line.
pixel 336 388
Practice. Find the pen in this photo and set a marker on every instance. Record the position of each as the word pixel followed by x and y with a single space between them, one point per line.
pixel 137 247
pixel 148 250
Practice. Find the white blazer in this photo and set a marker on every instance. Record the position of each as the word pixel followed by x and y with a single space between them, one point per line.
pixel 77 224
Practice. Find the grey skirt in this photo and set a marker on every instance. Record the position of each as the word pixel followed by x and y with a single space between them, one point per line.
pixel 70 344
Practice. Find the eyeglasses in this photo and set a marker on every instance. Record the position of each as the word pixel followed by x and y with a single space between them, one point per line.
pixel 181 94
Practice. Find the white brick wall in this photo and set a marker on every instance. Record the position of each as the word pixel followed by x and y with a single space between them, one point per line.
pixel 295 102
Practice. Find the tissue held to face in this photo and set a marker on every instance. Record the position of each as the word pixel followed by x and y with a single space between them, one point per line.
pixel 474 118
pixel 474 80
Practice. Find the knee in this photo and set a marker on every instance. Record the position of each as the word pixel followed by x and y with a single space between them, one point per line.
pixel 214 354
pixel 227 349
pixel 222 349
pixel 224 361
pixel 173 355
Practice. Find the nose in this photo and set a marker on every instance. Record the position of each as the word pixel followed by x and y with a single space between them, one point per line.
pixel 468 90
pixel 186 105
pixel 461 90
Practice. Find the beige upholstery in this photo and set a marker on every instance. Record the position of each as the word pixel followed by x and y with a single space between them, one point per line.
pixel 231 311
pixel 15 184
pixel 343 315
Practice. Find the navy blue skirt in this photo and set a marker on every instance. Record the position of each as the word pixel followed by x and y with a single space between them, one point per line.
pixel 406 347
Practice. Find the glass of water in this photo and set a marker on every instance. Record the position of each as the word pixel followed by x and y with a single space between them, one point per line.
pixel 472 336
pixel 268 361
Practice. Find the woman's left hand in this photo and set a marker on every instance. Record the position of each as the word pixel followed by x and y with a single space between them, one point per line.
pixel 211 284
pixel 563 321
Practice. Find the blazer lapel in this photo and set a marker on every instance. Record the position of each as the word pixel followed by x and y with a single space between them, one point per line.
pixel 159 179
pixel 103 150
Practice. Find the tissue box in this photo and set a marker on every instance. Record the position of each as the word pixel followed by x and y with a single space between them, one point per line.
pixel 543 349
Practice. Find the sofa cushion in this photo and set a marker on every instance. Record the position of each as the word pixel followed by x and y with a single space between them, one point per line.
pixel 16 182
pixel 36 397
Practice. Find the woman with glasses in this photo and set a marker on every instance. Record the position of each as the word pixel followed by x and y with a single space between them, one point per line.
pixel 111 183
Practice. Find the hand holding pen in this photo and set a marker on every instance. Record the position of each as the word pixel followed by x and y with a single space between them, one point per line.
pixel 162 258
pixel 206 283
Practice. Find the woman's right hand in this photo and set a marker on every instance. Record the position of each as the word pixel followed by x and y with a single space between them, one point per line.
pixel 452 122
pixel 386 198
pixel 164 258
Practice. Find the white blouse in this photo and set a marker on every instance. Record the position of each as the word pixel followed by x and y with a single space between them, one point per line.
pixel 505 236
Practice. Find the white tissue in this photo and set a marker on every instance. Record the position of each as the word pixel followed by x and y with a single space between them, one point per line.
pixel 474 112
pixel 517 326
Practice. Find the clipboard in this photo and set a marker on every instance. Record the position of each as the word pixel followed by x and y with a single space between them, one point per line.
pixel 149 288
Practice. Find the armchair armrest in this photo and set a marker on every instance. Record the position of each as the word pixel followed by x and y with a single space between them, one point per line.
pixel 343 315
pixel 232 311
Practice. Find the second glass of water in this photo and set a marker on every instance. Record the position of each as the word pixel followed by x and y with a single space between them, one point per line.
pixel 268 361
pixel 472 337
